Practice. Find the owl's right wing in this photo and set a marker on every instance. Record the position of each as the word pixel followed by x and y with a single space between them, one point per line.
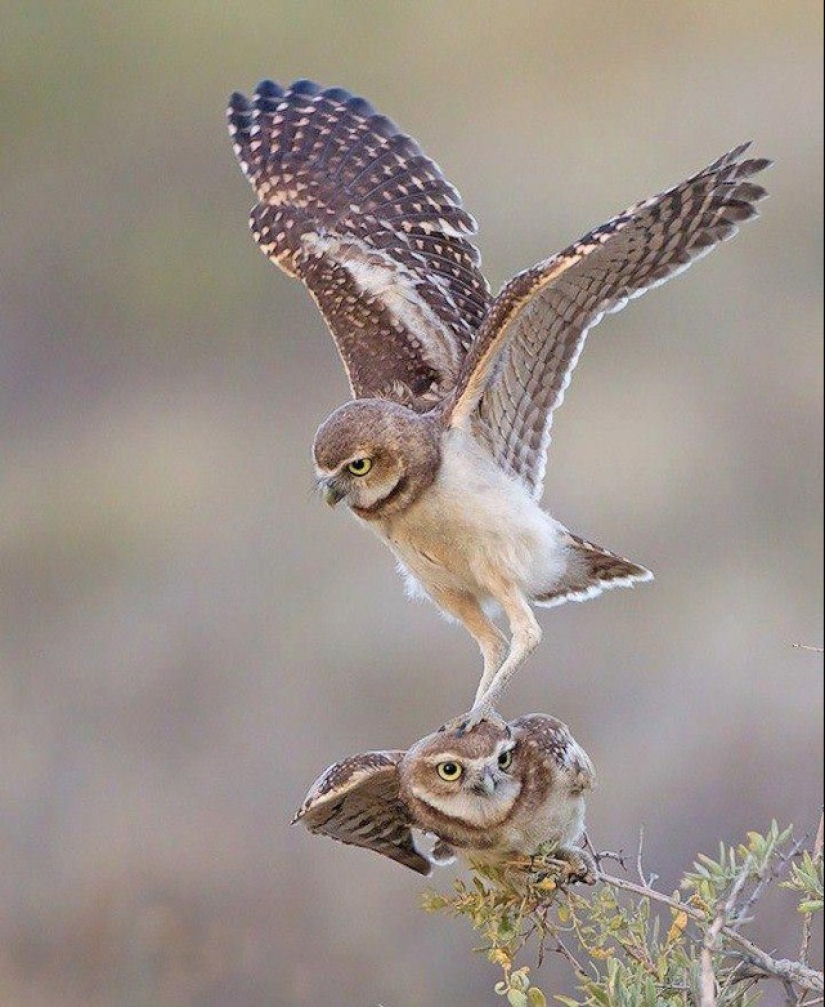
pixel 520 364
pixel 357 801
pixel 355 210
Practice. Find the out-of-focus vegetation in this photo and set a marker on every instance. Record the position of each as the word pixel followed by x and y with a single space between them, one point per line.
pixel 187 636
pixel 648 948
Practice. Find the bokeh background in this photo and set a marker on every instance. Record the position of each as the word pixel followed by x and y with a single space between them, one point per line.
pixel 188 636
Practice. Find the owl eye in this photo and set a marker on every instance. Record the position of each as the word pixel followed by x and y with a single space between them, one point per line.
pixel 505 760
pixel 449 771
pixel 359 466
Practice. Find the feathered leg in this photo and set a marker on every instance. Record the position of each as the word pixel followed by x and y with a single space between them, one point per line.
pixel 526 636
pixel 467 609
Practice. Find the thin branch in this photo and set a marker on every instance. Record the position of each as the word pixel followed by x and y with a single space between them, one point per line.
pixel 783 859
pixel 562 949
pixel 723 914
pixel 600 855
pixel 780 968
pixel 639 850
pixel 791 998
pixel 807 920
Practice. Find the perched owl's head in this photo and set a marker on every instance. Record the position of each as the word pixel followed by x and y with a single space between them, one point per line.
pixel 461 786
pixel 376 456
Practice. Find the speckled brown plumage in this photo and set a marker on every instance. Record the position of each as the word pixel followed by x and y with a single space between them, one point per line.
pixel 356 801
pixel 343 194
pixel 487 814
pixel 355 209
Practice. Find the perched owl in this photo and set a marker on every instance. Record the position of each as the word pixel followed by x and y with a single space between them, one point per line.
pixel 442 452
pixel 490 794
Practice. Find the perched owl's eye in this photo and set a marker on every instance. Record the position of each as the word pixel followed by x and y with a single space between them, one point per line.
pixel 505 760
pixel 449 771
pixel 359 466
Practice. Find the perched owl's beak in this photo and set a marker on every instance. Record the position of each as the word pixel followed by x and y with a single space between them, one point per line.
pixel 486 785
pixel 331 494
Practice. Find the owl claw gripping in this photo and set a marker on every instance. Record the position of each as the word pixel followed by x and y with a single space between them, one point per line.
pixel 577 865
pixel 443 451
pixel 469 721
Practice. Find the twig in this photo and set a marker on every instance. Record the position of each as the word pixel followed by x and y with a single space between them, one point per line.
pixel 784 859
pixel 780 968
pixel 600 855
pixel 806 646
pixel 562 949
pixel 639 849
pixel 647 882
pixel 723 914
pixel 807 920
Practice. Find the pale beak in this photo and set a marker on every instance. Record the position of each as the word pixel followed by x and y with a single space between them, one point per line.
pixel 487 784
pixel 331 494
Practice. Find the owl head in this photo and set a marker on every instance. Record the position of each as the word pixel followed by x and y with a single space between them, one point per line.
pixel 376 456
pixel 462 786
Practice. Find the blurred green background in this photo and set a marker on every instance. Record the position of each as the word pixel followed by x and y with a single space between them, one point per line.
pixel 188 637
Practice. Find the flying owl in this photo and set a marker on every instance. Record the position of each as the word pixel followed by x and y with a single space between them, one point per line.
pixel 491 794
pixel 443 450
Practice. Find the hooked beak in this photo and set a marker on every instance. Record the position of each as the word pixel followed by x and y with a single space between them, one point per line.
pixel 331 494
pixel 486 785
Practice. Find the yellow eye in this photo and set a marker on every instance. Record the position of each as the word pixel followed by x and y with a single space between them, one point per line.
pixel 449 771
pixel 359 466
pixel 505 760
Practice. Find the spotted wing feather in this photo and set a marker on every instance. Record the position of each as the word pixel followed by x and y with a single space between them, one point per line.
pixel 354 209
pixel 356 801
pixel 521 362
pixel 554 742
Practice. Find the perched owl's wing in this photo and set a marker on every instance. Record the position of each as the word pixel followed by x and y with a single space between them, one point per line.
pixel 356 801
pixel 521 362
pixel 352 207
pixel 554 741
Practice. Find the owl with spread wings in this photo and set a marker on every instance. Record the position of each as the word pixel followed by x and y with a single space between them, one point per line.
pixel 442 450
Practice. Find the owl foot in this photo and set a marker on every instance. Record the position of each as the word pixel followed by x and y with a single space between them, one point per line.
pixel 467 721
pixel 578 865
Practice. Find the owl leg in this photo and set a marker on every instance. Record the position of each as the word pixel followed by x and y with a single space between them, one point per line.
pixel 491 641
pixel 526 636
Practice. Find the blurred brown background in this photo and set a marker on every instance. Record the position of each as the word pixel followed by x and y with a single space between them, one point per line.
pixel 189 637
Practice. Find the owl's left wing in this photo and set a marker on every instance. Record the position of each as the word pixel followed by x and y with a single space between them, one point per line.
pixel 521 362
pixel 355 209
pixel 554 741
pixel 357 801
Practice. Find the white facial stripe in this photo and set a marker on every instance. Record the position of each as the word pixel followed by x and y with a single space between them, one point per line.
pixel 436 760
pixel 324 473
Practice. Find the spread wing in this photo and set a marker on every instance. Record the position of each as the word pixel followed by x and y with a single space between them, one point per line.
pixel 357 801
pixel 521 362
pixel 554 741
pixel 355 210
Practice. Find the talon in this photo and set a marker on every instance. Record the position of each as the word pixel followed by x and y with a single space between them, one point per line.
pixel 579 866
pixel 470 720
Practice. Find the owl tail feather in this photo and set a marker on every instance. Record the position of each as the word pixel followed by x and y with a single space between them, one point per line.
pixel 591 569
